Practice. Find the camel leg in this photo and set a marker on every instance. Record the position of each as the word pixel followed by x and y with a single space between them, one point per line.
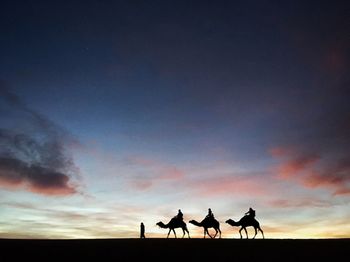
pixel 216 232
pixel 168 233
pixel 209 234
pixel 246 232
pixel 185 230
pixel 174 232
pixel 240 232
pixel 256 232
pixel 261 232
pixel 205 232
pixel 219 232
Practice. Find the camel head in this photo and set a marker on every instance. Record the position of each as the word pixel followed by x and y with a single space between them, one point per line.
pixel 232 222
pixel 194 222
pixel 160 224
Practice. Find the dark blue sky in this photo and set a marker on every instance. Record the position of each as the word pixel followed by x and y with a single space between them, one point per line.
pixel 174 87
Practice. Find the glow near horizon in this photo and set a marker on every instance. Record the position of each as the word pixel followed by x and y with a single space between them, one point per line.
pixel 99 212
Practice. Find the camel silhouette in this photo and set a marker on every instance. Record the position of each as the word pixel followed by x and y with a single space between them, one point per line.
pixel 208 223
pixel 244 222
pixel 175 223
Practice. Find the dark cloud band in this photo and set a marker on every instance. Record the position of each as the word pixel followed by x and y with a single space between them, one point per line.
pixel 32 150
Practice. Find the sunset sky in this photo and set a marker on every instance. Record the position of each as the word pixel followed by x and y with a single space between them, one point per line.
pixel 114 113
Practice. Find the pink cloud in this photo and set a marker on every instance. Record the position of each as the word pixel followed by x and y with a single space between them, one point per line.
pixel 338 183
pixel 213 185
pixel 230 185
pixel 311 171
pixel 141 184
pixel 49 190
pixel 172 173
pixel 9 183
pixel 141 161
pixel 296 165
pixel 161 172
pixel 161 169
pixel 305 202
pixel 52 191
pixel 279 151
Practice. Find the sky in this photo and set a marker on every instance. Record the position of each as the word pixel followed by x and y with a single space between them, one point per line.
pixel 114 113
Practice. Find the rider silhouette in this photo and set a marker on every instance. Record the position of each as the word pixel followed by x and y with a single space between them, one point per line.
pixel 179 215
pixel 210 214
pixel 250 213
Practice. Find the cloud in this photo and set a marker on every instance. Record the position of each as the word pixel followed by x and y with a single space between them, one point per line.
pixel 215 181
pixel 314 149
pixel 296 165
pixel 15 173
pixel 248 185
pixel 153 172
pixel 33 152
pixel 313 171
pixel 293 203
pixel 161 169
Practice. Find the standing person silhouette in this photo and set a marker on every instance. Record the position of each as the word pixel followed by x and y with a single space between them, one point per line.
pixel 142 230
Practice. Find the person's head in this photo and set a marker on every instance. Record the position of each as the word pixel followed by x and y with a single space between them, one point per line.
pixel 250 209
pixel 209 209
pixel 179 210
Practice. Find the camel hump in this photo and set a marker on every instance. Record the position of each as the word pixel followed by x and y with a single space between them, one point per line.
pixel 177 221
pixel 248 220
pixel 205 220
pixel 208 220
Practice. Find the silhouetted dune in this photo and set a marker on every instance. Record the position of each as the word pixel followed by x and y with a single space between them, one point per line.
pixel 175 249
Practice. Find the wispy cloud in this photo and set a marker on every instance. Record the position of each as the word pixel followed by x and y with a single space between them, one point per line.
pixel 229 185
pixel 32 153
pixel 313 171
pixel 153 172
pixel 15 174
pixel 299 203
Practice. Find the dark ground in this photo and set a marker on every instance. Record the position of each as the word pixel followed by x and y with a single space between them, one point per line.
pixel 175 250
